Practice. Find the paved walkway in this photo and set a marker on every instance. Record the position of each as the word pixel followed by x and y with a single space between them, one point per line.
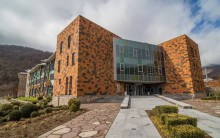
pixel 4 101
pixel 94 123
pixel 134 122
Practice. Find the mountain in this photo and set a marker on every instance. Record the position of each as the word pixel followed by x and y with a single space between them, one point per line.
pixel 15 59
pixel 213 71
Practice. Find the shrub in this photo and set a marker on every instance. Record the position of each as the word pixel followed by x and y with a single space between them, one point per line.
pixel 166 109
pixel 16 103
pixel 3 119
pixel 177 119
pixel 35 114
pixel 3 113
pixel 34 102
pixel 15 107
pixel 63 107
pixel 187 131
pixel 75 101
pixel 39 98
pixel 48 110
pixel 73 108
pixel 27 109
pixel 15 115
pixel 49 98
pixel 6 107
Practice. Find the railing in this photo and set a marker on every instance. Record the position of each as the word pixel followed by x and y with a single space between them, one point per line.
pixel 143 78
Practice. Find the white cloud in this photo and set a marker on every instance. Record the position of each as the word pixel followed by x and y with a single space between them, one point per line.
pixel 37 23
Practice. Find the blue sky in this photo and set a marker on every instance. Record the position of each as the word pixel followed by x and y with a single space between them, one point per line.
pixel 36 23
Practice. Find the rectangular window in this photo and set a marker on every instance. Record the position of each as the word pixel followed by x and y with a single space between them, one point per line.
pixel 69 41
pixel 122 66
pixel 67 61
pixel 66 86
pixel 140 68
pixel 121 49
pixel 147 53
pixel 70 85
pixel 73 58
pixel 135 52
pixel 160 71
pixel 61 47
pixel 58 66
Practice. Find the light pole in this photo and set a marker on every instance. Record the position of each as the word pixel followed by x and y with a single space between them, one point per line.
pixel 59 95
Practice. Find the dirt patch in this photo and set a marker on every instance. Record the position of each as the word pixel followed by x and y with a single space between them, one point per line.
pixel 31 128
pixel 211 107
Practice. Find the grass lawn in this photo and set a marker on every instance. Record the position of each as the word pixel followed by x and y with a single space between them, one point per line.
pixel 30 99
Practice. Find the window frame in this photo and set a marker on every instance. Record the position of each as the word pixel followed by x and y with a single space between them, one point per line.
pixel 139 68
pixel 67 61
pixel 135 51
pixel 69 41
pixel 61 47
pixel 121 49
pixel 121 67
pixel 73 59
pixel 58 69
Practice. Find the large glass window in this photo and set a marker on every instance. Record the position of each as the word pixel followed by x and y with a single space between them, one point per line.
pixel 122 67
pixel 135 54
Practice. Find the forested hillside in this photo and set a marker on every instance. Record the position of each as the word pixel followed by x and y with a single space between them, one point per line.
pixel 14 59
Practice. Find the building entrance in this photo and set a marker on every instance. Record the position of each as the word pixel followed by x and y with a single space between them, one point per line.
pixel 141 89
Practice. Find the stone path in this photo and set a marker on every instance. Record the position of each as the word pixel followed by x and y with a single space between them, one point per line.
pixel 134 122
pixel 94 123
pixel 4 101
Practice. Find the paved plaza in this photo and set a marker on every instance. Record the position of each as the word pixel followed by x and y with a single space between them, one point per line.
pixel 94 123
pixel 134 122
pixel 101 121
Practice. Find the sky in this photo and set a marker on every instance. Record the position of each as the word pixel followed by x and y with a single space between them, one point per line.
pixel 36 23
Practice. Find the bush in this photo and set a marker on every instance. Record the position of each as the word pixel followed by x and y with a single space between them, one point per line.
pixel 75 101
pixel 187 131
pixel 165 109
pixel 49 98
pixel 16 103
pixel 6 107
pixel 40 98
pixel 27 109
pixel 48 110
pixel 73 108
pixel 3 119
pixel 15 107
pixel 15 115
pixel 35 114
pixel 63 107
pixel 3 113
pixel 34 102
pixel 178 119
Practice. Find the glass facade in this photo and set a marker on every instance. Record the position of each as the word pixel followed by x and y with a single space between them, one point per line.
pixel 138 62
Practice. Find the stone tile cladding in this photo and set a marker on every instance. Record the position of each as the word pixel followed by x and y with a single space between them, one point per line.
pixel 183 66
pixel 93 70
pixel 67 71
pixel 96 74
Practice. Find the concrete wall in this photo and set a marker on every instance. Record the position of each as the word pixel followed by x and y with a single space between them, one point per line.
pixel 22 77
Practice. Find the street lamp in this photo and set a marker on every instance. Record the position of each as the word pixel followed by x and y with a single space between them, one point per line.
pixel 59 95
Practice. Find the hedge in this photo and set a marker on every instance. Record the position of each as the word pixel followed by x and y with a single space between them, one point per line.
pixel 74 101
pixel 178 119
pixel 15 115
pixel 165 109
pixel 27 109
pixel 6 107
pixel 187 131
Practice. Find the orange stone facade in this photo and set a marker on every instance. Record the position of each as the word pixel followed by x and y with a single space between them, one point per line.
pixel 183 66
pixel 84 64
pixel 92 73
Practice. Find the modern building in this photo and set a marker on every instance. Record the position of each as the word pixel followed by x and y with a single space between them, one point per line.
pixel 40 78
pixel 92 62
